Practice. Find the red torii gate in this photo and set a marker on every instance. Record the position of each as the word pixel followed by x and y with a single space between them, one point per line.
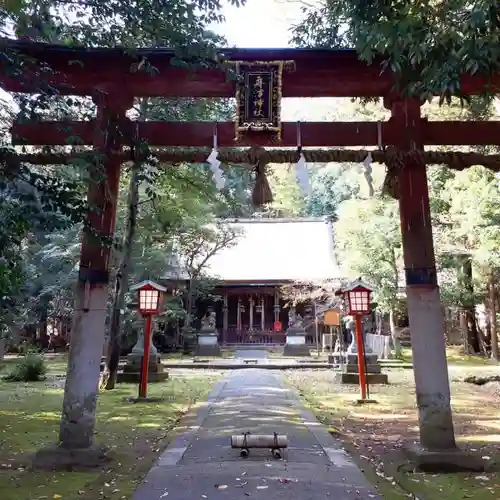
pixel 113 77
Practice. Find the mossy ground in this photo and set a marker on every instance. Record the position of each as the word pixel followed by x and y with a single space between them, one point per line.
pixel 135 433
pixel 374 434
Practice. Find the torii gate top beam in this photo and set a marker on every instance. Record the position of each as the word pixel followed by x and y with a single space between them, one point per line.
pixel 80 71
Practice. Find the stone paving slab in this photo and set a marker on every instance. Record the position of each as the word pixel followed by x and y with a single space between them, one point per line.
pixel 266 364
pixel 201 464
pixel 251 480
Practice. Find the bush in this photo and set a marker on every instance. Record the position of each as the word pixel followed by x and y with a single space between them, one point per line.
pixel 31 368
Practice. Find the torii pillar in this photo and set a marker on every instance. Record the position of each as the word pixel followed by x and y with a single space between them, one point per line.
pixel 87 335
pixel 422 291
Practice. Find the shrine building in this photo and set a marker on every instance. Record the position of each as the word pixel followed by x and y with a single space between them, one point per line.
pixel 268 254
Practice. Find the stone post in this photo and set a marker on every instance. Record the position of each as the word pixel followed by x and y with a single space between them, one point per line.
pixel 208 341
pixel 295 336
pixel 422 292
pixel 87 336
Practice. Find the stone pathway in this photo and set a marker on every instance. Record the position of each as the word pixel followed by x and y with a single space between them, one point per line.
pixel 251 354
pixel 200 463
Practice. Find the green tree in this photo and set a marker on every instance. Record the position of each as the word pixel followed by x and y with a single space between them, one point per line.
pixel 427 45
pixel 288 200
pixel 473 196
pixel 331 185
pixel 181 25
pixel 368 242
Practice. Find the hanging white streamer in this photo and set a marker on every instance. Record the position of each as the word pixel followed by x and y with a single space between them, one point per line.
pixel 302 175
pixel 301 172
pixel 367 164
pixel 215 163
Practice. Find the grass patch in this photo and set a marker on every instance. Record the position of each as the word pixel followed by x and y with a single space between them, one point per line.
pixel 56 363
pixel 135 433
pixel 32 367
pixel 455 356
pixel 277 352
pixel 375 434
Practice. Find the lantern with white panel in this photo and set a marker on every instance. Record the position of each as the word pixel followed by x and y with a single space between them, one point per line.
pixel 358 297
pixel 149 295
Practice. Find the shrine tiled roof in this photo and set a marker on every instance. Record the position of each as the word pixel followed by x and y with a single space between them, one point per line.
pixel 278 250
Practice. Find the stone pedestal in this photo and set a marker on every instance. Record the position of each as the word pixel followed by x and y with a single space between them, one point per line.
pixel 105 346
pixel 132 369
pixel 350 372
pixel 336 358
pixel 353 346
pixel 208 343
pixel 296 343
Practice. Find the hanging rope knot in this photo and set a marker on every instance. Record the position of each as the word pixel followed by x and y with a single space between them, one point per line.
pixel 394 162
pixel 261 194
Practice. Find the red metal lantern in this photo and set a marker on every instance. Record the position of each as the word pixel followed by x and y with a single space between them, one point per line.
pixel 358 297
pixel 149 295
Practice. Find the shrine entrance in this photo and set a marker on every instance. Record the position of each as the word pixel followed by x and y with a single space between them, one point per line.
pixel 259 79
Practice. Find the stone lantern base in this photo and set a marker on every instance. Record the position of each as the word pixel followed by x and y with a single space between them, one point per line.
pixel 296 343
pixel 208 344
pixel 350 372
pixel 132 369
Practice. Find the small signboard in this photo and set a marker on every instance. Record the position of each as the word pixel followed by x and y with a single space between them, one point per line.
pixel 332 317
pixel 277 326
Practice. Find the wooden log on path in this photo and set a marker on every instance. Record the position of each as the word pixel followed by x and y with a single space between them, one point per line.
pixel 270 441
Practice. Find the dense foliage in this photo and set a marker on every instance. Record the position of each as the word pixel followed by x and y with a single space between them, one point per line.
pixel 428 45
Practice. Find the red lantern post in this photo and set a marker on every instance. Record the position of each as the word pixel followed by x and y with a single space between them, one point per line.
pixel 357 297
pixel 149 296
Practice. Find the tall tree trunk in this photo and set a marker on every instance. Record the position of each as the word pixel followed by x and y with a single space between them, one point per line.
pixel 493 317
pixel 467 307
pixel 188 322
pixel 379 321
pixel 396 342
pixel 121 283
